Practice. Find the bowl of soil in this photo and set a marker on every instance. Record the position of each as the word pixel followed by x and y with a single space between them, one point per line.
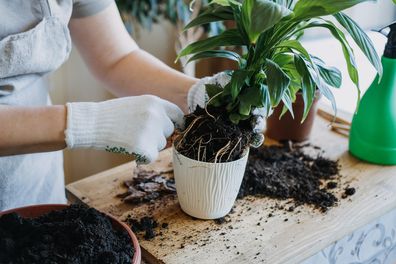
pixel 57 233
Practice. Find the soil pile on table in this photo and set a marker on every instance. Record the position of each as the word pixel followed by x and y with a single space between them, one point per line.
pixel 148 186
pixel 287 172
pixel 146 225
pixel 74 235
pixel 210 136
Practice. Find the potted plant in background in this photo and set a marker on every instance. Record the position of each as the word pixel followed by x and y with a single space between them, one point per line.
pixel 148 12
pixel 210 154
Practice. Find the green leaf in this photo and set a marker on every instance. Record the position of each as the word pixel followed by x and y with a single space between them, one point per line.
pixel 212 14
pixel 245 107
pixel 260 15
pixel 307 84
pixel 238 79
pixel 213 90
pixel 236 117
pixel 294 45
pixel 254 96
pixel 237 10
pixel 306 9
pixel 346 48
pixel 278 82
pixel 330 75
pixel 283 59
pixel 287 103
pixel 361 39
pixel 216 54
pixel 225 2
pixel 230 37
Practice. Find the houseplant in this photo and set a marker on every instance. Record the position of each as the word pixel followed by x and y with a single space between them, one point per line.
pixel 148 12
pixel 272 69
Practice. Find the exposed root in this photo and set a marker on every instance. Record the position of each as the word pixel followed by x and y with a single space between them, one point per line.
pixel 233 149
pixel 211 137
pixel 222 151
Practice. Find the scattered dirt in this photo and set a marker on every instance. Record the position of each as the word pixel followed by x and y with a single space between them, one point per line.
pixel 285 172
pixel 348 192
pixel 148 186
pixel 293 174
pixel 213 137
pixel 331 185
pixel 146 225
pixel 74 235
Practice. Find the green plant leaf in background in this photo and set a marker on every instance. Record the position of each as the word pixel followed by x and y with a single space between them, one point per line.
pixel 216 54
pixel 305 9
pixel 260 15
pixel 212 14
pixel 330 75
pixel 225 2
pixel 308 85
pixel 346 48
pixel 229 37
pixel 277 80
pixel 361 39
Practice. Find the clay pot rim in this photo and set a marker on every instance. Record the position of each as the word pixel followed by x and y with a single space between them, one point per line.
pixel 46 208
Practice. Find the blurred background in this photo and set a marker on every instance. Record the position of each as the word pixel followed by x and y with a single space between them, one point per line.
pixel 156 26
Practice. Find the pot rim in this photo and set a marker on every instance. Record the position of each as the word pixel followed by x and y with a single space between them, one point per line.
pixel 55 207
pixel 246 153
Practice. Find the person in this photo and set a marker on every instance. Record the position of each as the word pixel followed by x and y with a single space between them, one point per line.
pixel 35 39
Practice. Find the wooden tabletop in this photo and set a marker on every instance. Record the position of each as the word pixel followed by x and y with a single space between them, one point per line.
pixel 250 236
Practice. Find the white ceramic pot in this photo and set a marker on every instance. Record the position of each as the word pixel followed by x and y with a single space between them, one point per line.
pixel 207 190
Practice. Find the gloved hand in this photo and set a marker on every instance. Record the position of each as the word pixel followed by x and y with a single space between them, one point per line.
pixel 197 96
pixel 136 125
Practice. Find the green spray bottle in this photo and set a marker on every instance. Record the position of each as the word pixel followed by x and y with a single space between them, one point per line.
pixel 373 131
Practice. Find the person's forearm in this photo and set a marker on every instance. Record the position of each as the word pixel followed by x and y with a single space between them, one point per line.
pixel 114 57
pixel 141 73
pixel 31 129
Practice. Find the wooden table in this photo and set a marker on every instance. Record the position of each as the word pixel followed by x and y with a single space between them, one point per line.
pixel 250 236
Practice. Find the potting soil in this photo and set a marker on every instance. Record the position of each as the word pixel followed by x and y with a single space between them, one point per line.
pixel 284 172
pixel 75 235
pixel 210 136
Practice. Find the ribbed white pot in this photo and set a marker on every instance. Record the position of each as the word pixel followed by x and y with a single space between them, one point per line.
pixel 207 190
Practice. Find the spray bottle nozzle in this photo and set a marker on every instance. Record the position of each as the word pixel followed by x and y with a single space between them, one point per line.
pixel 390 48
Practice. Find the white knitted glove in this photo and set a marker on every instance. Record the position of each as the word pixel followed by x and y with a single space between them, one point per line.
pixel 197 96
pixel 136 125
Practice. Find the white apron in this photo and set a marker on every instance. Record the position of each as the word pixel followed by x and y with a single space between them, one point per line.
pixel 24 59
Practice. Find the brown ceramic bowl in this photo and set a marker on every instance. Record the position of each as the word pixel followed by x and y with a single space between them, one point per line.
pixel 37 210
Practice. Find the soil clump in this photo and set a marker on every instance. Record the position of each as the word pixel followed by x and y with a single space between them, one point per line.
pixel 210 136
pixel 146 225
pixel 78 234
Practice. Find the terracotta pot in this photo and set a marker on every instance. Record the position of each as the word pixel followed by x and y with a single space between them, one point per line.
pixel 288 128
pixel 38 210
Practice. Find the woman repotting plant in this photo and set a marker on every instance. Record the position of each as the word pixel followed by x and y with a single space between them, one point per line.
pixel 210 154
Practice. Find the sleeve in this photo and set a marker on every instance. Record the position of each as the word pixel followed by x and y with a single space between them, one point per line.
pixel 84 8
